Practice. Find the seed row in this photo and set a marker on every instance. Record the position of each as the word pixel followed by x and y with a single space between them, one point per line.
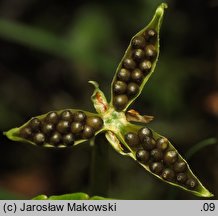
pixel 64 128
pixel 160 157
pixel 135 67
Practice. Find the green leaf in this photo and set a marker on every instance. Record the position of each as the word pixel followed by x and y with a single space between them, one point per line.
pixel 137 64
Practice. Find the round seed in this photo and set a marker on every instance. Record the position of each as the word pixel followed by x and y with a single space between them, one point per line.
pixel 47 128
pixel 150 35
pixel 66 115
pixel 143 133
pixel 25 132
pixel 156 154
pixel 132 89
pixel 138 42
pixel 132 139
pixel 142 155
pixel 156 167
pixel 181 177
pixel 119 87
pixel 145 66
pixel 88 132
pixel 63 126
pixel 123 75
pixel 162 143
pixel 55 139
pixel 191 183
pixel 52 118
pixel 76 127
pixel 34 124
pixel 137 76
pixel 68 139
pixel 168 174
pixel 39 138
pixel 138 55
pixel 129 64
pixel 150 51
pixel 95 122
pixel 148 143
pixel 79 116
pixel 180 166
pixel 170 157
pixel 120 102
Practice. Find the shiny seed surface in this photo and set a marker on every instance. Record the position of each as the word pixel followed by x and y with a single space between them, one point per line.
pixel 95 122
pixel 88 132
pixel 120 102
pixel 76 127
pixel 119 87
pixel 142 155
pixel 137 76
pixel 191 183
pixel 52 118
pixel 181 177
pixel 162 143
pixel 150 51
pixel 143 133
pixel 151 35
pixel 170 157
pixel 123 75
pixel 68 139
pixel 168 174
pixel 47 128
pixel 148 143
pixel 180 166
pixel 67 115
pixel 132 89
pixel 138 55
pixel 25 132
pixel 156 154
pixel 55 138
pixel 156 167
pixel 35 124
pixel 63 126
pixel 129 64
pixel 145 66
pixel 138 42
pixel 39 138
pixel 132 139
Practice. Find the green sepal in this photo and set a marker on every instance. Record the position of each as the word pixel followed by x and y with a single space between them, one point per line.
pixel 154 24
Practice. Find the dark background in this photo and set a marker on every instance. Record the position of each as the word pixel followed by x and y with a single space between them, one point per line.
pixel 48 52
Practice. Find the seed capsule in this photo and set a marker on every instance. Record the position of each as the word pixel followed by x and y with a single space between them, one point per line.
pixel 68 139
pixel 52 118
pixel 138 42
pixel 191 183
pixel 181 177
pixel 76 127
pixel 168 174
pixel 132 89
pixel 35 124
pixel 79 116
pixel 123 75
pixel 120 102
pixel 67 115
pixel 55 139
pixel 150 51
pixel 156 154
pixel 162 143
pixel 95 122
pixel 47 128
pixel 148 143
pixel 39 138
pixel 150 35
pixel 156 167
pixel 143 133
pixel 142 155
pixel 138 55
pixel 180 166
pixel 88 132
pixel 145 66
pixel 119 87
pixel 63 126
pixel 129 64
pixel 137 76
pixel 25 132
pixel 132 139
pixel 170 157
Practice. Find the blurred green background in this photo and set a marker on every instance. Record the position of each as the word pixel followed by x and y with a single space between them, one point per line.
pixel 48 52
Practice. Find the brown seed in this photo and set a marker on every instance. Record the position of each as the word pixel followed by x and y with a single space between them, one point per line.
pixel 132 139
pixel 162 143
pixel 148 143
pixel 76 127
pixel 156 154
pixel 132 89
pixel 137 76
pixel 67 115
pixel 68 139
pixel 151 35
pixel 138 55
pixel 119 87
pixel 88 132
pixel 39 138
pixel 156 167
pixel 150 51
pixel 143 133
pixel 55 139
pixel 63 126
pixel 129 64
pixel 168 174
pixel 181 177
pixel 138 42
pixel 79 116
pixel 191 183
pixel 142 155
pixel 47 128
pixel 120 102
pixel 52 118
pixel 34 124
pixel 170 157
pixel 123 75
pixel 145 66
pixel 25 132
pixel 180 166
pixel 95 122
